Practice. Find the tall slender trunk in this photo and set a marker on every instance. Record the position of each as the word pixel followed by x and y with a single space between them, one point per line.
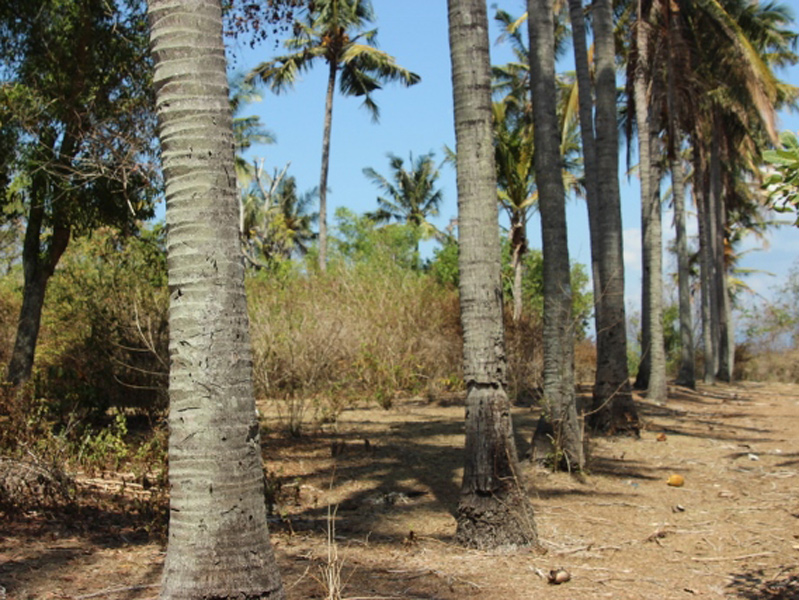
pixel 218 538
pixel 588 138
pixel 702 193
pixel 326 135
pixel 517 267
pixel 560 406
pixel 726 343
pixel 686 375
pixel 613 410
pixel 494 509
pixel 652 371
pixel 715 237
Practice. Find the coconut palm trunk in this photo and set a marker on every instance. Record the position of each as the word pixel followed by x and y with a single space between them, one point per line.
pixel 518 238
pixel 218 539
pixel 686 375
pixel 588 138
pixel 560 406
pixel 613 410
pixel 494 509
pixel 326 135
pixel 701 193
pixel 652 372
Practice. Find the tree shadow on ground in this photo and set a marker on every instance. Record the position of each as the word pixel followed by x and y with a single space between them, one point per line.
pixel 374 476
pixel 76 531
pixel 756 585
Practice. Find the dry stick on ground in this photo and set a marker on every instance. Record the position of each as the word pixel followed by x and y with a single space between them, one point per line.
pixel 117 590
pixel 724 558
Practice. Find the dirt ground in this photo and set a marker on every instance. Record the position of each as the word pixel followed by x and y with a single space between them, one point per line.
pixel 390 481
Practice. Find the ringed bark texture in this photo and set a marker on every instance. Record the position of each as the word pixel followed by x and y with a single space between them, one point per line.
pixel 559 399
pixel 218 540
pixel 494 509
pixel 613 410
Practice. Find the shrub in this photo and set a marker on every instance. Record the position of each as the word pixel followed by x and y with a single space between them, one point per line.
pixel 360 332
pixel 104 330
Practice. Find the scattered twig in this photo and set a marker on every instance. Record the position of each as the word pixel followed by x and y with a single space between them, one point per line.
pixel 724 558
pixel 116 590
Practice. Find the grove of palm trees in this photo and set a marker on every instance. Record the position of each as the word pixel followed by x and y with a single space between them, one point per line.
pixel 418 377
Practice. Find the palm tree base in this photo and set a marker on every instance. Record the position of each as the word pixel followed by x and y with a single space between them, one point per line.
pixel 495 521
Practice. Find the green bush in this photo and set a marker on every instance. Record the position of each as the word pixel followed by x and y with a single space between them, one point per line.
pixel 104 333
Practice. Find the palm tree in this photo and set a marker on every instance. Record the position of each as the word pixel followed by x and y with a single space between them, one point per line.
pixel 726 100
pixel 559 397
pixel 334 32
pixel 276 223
pixel 218 538
pixel 247 130
pixel 652 370
pixel 513 155
pixel 514 141
pixel 494 509
pixel 613 410
pixel 411 194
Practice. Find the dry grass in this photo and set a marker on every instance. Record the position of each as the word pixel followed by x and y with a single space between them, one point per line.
pixel 729 533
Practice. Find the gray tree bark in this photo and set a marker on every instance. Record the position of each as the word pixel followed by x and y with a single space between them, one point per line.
pixel 686 375
pixel 652 371
pixel 494 509
pixel 560 406
pixel 613 410
pixel 326 136
pixel 218 539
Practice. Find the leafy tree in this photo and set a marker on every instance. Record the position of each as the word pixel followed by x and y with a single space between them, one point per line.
pixel 412 197
pixel 78 129
pixel 334 32
pixel 494 509
pixel 357 240
pixel 783 182
pixel 218 538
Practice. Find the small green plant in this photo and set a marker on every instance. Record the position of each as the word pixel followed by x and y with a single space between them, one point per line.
pixel 105 448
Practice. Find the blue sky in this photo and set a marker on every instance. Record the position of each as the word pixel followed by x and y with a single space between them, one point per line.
pixel 419 120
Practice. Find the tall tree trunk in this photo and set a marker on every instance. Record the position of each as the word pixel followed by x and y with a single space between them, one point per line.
pixel 518 239
pixel 701 194
pixel 726 343
pixel 218 539
pixel 560 406
pixel 518 271
pixel 331 89
pixel 686 375
pixel 652 371
pixel 613 410
pixel 715 237
pixel 587 135
pixel 37 268
pixel 494 509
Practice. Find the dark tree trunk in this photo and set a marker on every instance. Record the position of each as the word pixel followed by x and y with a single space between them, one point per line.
pixel 701 194
pixel 560 406
pixel 613 410
pixel 37 270
pixel 686 375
